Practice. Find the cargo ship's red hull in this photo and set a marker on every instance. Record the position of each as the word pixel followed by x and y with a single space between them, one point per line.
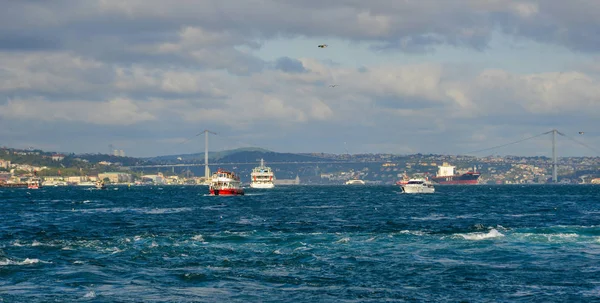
pixel 466 178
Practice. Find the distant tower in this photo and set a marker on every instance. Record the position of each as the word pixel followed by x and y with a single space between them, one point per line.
pixel 110 148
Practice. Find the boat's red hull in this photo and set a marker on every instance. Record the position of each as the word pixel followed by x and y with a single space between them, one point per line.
pixel 227 192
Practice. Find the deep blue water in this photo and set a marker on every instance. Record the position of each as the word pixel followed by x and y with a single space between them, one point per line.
pixel 301 244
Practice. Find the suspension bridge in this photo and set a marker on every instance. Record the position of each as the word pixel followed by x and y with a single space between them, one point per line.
pixel 326 160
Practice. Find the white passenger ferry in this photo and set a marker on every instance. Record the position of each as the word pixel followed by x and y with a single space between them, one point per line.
pixel 262 176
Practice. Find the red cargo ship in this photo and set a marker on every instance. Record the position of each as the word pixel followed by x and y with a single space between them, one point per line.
pixel 445 175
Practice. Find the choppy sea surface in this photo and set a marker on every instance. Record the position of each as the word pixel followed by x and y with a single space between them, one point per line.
pixel 536 243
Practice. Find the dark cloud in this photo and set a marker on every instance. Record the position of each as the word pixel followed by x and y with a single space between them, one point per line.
pixel 28 42
pixel 289 65
pixel 411 26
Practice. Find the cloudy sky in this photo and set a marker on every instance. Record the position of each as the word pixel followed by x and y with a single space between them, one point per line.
pixel 428 76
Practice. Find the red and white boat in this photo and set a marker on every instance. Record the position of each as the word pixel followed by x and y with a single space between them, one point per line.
pixel 34 183
pixel 225 183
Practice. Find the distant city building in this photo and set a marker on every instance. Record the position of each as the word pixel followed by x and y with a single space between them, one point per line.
pixel 4 176
pixel 156 179
pixel 115 152
pixel 4 164
pixel 116 177
pixel 58 157
pixel 121 153
pixel 78 179
pixel 295 181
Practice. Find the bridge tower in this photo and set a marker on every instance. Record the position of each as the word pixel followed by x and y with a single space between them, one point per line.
pixel 554 164
pixel 206 169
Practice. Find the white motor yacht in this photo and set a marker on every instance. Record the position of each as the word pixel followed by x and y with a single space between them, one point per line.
pixel 417 186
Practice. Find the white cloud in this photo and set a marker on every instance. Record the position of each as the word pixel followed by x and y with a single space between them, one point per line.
pixel 113 112
pixel 178 67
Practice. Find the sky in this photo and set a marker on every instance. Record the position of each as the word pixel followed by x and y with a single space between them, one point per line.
pixel 397 76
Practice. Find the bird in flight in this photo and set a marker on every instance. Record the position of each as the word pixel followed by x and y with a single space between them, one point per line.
pixel 581 133
pixel 322 45
pixel 333 85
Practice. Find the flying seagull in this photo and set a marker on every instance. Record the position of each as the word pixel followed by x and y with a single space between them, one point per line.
pixel 333 85
pixel 581 133
pixel 322 45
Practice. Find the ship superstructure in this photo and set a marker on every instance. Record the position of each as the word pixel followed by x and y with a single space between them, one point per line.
pixel 262 176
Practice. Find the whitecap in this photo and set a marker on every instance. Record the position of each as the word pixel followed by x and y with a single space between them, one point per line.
pixel 550 237
pixel 343 240
pixel 160 211
pixel 493 233
pixel 412 232
pixel 27 261
pixel 90 294
pixel 115 250
pixel 198 238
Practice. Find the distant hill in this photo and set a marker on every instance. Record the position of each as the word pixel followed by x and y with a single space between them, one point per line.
pixel 240 155
pixel 199 157
pixel 255 156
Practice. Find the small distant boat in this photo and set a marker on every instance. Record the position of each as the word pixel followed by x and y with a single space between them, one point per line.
pixel 418 186
pixel 355 182
pixel 34 183
pixel 262 176
pixel 100 184
pixel 225 183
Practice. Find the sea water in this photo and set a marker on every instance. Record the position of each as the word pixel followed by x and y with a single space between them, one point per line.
pixel 532 243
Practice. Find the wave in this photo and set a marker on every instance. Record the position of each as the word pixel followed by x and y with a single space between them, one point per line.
pixel 27 261
pixel 493 233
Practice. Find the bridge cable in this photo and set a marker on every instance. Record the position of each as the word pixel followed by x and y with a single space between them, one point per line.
pixel 503 145
pixel 581 143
